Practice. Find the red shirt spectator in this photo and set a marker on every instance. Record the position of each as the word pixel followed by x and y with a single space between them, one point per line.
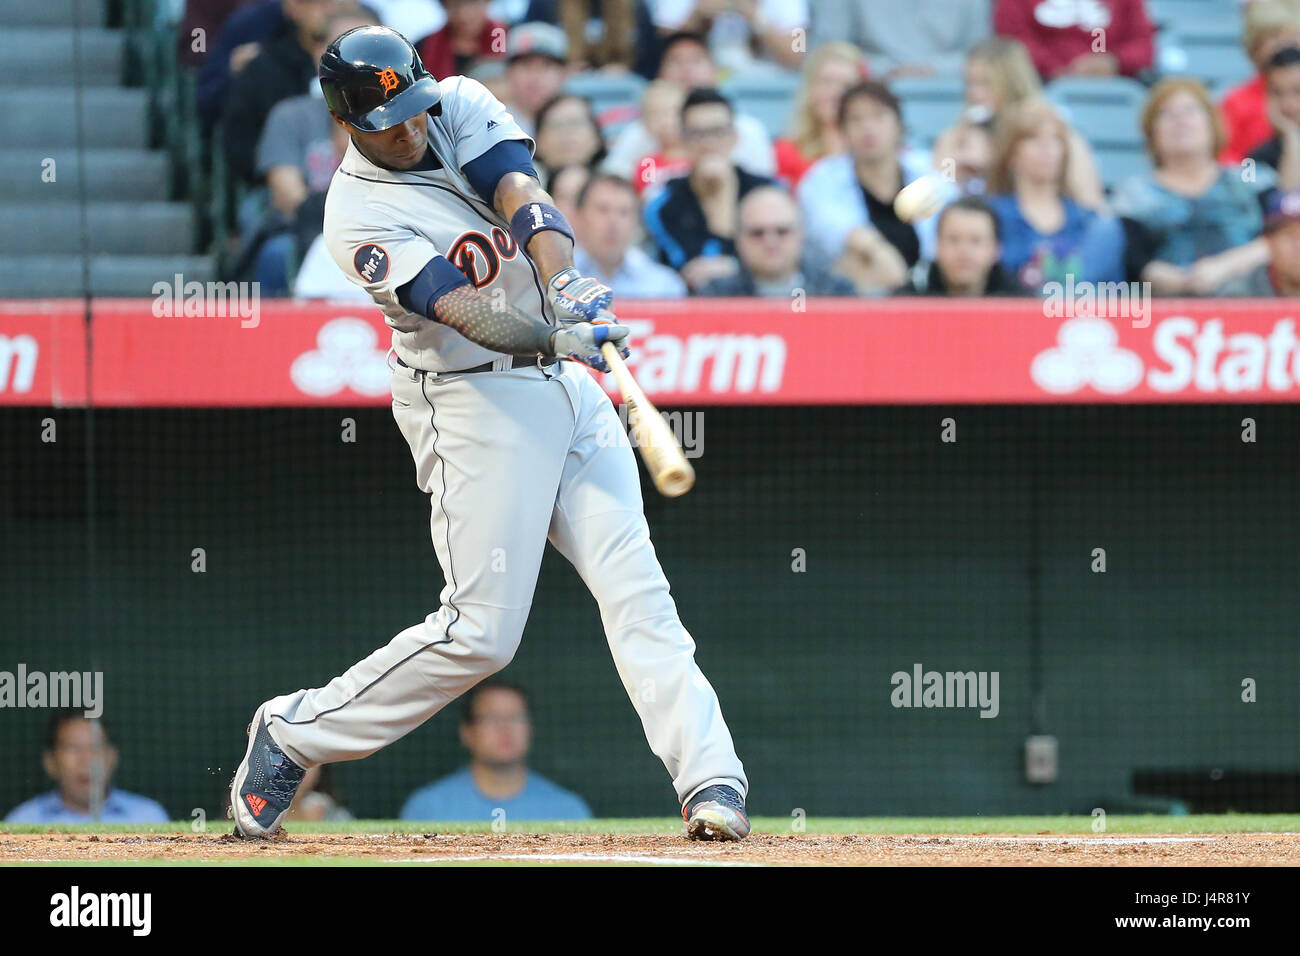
pixel 468 35
pixel 1245 119
pixel 1080 37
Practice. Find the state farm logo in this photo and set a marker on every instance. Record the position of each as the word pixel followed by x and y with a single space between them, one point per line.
pixel 1087 353
pixel 1186 354
pixel 716 362
pixel 347 356
pixel 17 363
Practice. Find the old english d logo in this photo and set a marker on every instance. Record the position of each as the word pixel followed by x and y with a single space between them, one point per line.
pixel 388 79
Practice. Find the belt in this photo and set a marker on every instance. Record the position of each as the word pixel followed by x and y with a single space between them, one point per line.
pixel 519 361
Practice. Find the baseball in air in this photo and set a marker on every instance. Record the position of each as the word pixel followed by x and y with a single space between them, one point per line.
pixel 919 199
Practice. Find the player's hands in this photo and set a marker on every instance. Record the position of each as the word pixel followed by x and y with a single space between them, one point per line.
pixel 581 341
pixel 578 298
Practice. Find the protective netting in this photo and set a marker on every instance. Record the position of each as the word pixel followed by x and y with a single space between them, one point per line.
pixel 822 552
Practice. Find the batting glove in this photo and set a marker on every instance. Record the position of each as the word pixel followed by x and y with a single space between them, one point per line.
pixel 578 298
pixel 581 341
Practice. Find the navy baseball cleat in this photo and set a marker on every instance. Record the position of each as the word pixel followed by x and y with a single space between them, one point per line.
pixel 264 784
pixel 716 813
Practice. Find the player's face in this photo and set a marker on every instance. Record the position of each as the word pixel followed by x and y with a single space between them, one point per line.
pixel 398 147
pixel 768 238
pixel 81 760
pixel 967 247
pixel 1284 91
pixel 501 732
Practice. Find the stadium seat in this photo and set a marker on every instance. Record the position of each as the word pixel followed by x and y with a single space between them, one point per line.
pixel 47 57
pixel 769 98
pixel 52 13
pixel 615 97
pixel 1118 162
pixel 1213 51
pixel 930 105
pixel 128 228
pixel 123 174
pixel 44 117
pixel 1105 111
pixel 60 276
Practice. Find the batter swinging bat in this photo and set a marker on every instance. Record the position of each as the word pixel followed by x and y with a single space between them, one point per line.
pixel 663 456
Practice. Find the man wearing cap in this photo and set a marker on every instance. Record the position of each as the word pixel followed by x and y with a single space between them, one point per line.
pixel 1282 231
pixel 535 70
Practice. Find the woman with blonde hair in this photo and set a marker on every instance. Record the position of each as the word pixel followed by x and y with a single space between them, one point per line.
pixel 814 129
pixel 1194 226
pixel 999 74
pixel 1046 234
pixel 1271 25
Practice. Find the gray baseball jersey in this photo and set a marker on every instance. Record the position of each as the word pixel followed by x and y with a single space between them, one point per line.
pixel 383 226
pixel 510 458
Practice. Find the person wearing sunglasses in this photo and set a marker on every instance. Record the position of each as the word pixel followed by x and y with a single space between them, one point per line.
pixel 769 245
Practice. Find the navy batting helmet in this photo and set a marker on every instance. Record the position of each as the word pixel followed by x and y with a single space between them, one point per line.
pixel 373 78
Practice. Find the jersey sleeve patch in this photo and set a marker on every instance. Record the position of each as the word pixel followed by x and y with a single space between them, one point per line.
pixel 371 262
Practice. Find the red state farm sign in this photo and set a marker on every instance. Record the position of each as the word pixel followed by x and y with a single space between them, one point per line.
pixel 690 352
pixel 42 353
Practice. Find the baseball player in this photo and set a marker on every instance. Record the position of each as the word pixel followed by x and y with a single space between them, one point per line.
pixel 437 213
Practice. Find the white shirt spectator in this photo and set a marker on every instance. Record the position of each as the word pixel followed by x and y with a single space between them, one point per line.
pixel 637 277
pixel 319 277
pixel 413 19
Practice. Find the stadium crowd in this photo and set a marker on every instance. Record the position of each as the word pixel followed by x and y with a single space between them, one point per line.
pixel 686 193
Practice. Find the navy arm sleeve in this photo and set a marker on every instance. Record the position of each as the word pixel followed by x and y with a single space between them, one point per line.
pixel 484 172
pixel 436 279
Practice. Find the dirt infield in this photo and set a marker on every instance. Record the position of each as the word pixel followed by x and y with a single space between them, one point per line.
pixel 1233 849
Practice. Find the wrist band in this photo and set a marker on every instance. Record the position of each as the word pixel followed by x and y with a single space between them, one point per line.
pixel 534 217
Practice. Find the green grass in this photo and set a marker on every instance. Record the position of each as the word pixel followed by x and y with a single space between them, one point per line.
pixel 1116 824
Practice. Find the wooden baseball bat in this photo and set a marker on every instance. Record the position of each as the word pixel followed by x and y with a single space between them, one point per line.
pixel 660 450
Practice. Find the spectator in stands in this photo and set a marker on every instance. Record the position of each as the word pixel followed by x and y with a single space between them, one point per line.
pixel 848 199
pixel 967 255
pixel 814 130
pixel 1193 226
pixel 692 220
pixel 535 70
pixel 201 25
pixel 1282 232
pixel 1282 152
pixel 567 134
pixel 81 760
pixel 923 38
pixel 564 185
pixel 469 36
pixel 284 68
pixel 1047 236
pixel 661 115
pixel 317 799
pixel 1072 38
pixel 1271 25
pixel 735 30
pixel 240 40
pixel 769 245
pixel 999 74
pixel 496 730
pixel 606 224
pixel 413 19
pixel 688 63
pixel 602 34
